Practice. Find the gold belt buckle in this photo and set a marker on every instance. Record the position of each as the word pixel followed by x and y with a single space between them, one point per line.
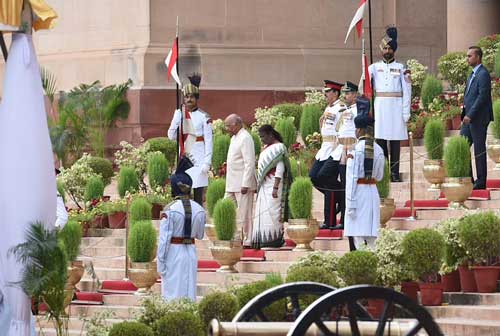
pixel 347 141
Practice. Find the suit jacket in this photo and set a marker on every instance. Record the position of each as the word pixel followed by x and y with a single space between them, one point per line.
pixel 240 170
pixel 477 99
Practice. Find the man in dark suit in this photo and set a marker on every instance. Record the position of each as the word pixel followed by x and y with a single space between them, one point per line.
pixel 477 112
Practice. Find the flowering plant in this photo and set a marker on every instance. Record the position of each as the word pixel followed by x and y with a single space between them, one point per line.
pixel 313 141
pixel 454 68
pixel 314 96
pixel 97 325
pixel 75 179
pixel 418 72
pixel 455 253
pixel 218 126
pixel 155 307
pixel 265 116
pixel 136 157
pixel 326 260
pixel 390 266
pixel 489 44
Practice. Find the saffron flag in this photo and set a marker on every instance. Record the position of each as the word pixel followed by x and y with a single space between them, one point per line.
pixel 357 20
pixel 171 62
pixel 367 85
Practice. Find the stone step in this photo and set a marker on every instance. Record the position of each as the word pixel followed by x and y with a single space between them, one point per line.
pixel 109 241
pixel 407 225
pixel 468 327
pixel 481 312
pixel 74 323
pixel 121 312
pixel 472 298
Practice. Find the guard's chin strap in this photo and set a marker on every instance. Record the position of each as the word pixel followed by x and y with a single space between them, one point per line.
pixel 186 203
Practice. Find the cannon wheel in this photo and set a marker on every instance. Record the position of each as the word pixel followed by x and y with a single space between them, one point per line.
pixel 349 297
pixel 254 309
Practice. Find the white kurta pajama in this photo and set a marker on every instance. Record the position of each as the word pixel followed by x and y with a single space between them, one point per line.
pixel 198 144
pixel 363 198
pixel 178 263
pixel 241 173
pixel 391 113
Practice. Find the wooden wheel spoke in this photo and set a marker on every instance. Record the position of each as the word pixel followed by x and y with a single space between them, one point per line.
pixel 324 329
pixel 353 321
pixel 383 319
pixel 414 330
pixel 260 314
pixel 296 311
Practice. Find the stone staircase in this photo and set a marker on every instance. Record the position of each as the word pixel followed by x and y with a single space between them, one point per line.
pixel 462 314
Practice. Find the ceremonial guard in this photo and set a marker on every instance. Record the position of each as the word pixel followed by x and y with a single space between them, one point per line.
pixel 392 84
pixel 181 222
pixel 325 170
pixel 196 141
pixel 365 166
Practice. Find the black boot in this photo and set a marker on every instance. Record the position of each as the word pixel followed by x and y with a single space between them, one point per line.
pixel 395 154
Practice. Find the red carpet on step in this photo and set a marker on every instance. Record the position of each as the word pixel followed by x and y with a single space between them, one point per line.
pixel 403 213
pixel 329 234
pixel 427 204
pixel 88 298
pixel 253 255
pixel 117 286
pixel 493 184
pixel 208 265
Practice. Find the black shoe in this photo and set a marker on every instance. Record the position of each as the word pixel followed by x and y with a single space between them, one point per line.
pixel 396 178
pixel 479 187
pixel 338 227
pixel 326 227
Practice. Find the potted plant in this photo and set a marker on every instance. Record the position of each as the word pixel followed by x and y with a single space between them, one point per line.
pixel 158 199
pixel 141 249
pixel 302 228
pixel 130 328
pixel 387 206
pixel 423 251
pixel 494 144
pixel 70 238
pixel 127 181
pixel 99 215
pixel 457 185
pixel 454 254
pixel 215 191
pixel 117 213
pixel 140 209
pixel 82 217
pixel 480 235
pixel 434 142
pixel 226 250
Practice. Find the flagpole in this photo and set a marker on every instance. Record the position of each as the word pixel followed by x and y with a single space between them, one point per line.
pixel 178 105
pixel 370 29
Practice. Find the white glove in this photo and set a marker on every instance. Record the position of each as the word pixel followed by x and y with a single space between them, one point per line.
pixel 205 168
pixel 406 117
pixel 351 213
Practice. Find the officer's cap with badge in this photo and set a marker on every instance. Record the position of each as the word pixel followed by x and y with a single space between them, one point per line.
pixel 331 85
pixel 390 39
pixel 349 87
pixel 363 121
pixel 193 87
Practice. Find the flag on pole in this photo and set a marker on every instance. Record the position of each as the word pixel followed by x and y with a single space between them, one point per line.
pixel 171 62
pixel 357 20
pixel 367 83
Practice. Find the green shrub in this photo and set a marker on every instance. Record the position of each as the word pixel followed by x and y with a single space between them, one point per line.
pixel 71 238
pixel 218 305
pixel 103 167
pixel 497 62
pixel 327 260
pixel 94 190
pixel 358 267
pixel 384 185
pixel 286 128
pixel 215 191
pixel 225 219
pixel 418 73
pixel 390 265
pixel 454 68
pixel 166 146
pixel 257 144
pixel 142 242
pixel 157 170
pixel 179 323
pixel 127 181
pixel 489 44
pixel 220 148
pixel 454 252
pixel 457 157
pixel 154 307
pixel 423 251
pixel 496 119
pixel 140 209
pixel 300 198
pixel 434 139
pixel 298 168
pixel 290 110
pixel 431 88
pixel 60 189
pixel 244 293
pixel 480 237
pixel 127 328
pixel 309 121
pixel 312 273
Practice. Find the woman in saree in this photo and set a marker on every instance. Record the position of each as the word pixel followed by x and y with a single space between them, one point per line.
pixel 273 182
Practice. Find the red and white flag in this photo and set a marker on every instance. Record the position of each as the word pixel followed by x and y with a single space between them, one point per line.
pixel 171 62
pixel 367 83
pixel 357 20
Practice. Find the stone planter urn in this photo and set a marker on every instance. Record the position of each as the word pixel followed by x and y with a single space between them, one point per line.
pixel 457 190
pixel 493 148
pixel 302 232
pixel 227 253
pixel 434 173
pixel 387 208
pixel 75 273
pixel 143 275
pixel 210 230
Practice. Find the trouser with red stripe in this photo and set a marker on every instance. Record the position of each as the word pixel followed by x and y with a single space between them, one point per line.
pixel 324 176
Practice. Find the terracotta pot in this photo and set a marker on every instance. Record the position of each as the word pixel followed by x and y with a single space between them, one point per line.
pixel 486 278
pixel 410 289
pixel 467 281
pixel 405 143
pixel 434 173
pixel 431 294
pixel 375 307
pixel 494 152
pixel 457 190
pixel 85 228
pixel 387 208
pixel 227 254
pixel 302 232
pixel 451 281
pixel 456 122
pixel 100 222
pixel 156 210
pixel 117 220
pixel 448 124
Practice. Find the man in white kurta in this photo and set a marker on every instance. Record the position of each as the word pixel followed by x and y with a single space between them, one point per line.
pixel 182 221
pixel 325 170
pixel 392 85
pixel 196 141
pixel 240 174
pixel 362 220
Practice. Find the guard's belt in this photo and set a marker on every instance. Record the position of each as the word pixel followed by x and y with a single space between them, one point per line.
pixel 329 138
pixel 389 94
pixel 367 181
pixel 181 240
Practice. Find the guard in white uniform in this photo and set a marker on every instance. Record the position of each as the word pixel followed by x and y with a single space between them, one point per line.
pixel 392 84
pixel 325 170
pixel 197 134
pixel 182 221
pixel 365 166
